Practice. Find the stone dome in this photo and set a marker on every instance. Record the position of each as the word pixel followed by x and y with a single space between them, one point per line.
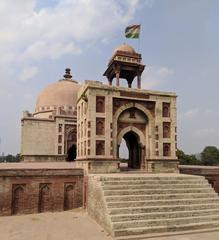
pixel 125 48
pixel 59 94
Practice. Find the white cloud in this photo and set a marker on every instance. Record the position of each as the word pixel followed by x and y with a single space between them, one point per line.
pixel 33 36
pixel 28 73
pixel 154 76
pixel 60 29
pixel 43 49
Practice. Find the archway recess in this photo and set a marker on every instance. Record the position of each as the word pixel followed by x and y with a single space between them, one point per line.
pixel 134 149
pixel 72 153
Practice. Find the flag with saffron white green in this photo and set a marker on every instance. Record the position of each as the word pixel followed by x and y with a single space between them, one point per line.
pixel 132 31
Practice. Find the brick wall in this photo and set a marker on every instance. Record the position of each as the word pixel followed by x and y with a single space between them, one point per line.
pixel 211 173
pixel 25 191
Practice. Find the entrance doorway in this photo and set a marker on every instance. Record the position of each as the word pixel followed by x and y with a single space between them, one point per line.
pixel 134 150
pixel 72 153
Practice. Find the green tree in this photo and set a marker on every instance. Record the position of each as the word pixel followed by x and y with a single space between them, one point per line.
pixel 10 158
pixel 210 156
pixel 185 159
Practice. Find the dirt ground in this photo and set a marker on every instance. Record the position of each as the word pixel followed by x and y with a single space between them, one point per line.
pixel 69 225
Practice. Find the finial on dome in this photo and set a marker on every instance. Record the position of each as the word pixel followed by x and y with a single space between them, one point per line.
pixel 67 74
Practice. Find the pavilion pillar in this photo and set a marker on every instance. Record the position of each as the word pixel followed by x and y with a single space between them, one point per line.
pixel 110 82
pixel 117 78
pixel 139 81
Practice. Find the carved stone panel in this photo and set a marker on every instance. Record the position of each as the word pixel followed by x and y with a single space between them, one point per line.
pixel 134 95
pixel 166 129
pixel 69 196
pixel 100 126
pixel 121 126
pixel 100 147
pixel 45 200
pixel 166 109
pixel 149 105
pixel 18 198
pixel 132 112
pixel 100 104
pixel 166 149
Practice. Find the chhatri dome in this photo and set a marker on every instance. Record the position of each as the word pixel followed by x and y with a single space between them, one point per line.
pixel 124 48
pixel 125 63
pixel 62 93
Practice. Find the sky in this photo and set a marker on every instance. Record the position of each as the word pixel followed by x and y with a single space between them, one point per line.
pixel 179 43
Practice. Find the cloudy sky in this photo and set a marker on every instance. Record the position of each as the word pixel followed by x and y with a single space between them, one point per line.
pixel 179 43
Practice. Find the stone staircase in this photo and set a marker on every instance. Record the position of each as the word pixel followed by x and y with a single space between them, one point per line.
pixel 141 206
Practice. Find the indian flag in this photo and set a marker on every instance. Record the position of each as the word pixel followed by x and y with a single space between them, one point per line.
pixel 132 31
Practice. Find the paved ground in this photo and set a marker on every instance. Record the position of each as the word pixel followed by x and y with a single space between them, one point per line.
pixel 70 225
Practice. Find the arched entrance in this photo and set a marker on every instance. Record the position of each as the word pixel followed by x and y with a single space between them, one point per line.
pixel 133 125
pixel 134 149
pixel 71 149
pixel 71 153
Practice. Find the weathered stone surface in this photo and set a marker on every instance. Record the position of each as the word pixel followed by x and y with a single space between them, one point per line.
pixel 39 187
pixel 211 173
pixel 132 206
pixel 100 132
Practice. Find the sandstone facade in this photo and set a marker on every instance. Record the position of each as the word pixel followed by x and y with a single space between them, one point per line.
pixel 100 130
pixel 49 134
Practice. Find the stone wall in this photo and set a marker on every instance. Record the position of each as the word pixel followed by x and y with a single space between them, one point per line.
pixel 211 173
pixel 96 205
pixel 25 191
pixel 47 140
pixel 37 137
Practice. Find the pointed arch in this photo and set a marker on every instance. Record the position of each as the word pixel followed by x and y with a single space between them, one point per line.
pixel 131 129
pixel 44 198
pixel 147 140
pixel 17 199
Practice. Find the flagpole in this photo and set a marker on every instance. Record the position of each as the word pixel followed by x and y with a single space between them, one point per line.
pixel 139 42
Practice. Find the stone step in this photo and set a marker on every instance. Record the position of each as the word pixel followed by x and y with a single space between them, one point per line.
pixel 167 186
pixel 167 234
pixel 153 182
pixel 157 191
pixel 134 210
pixel 138 206
pixel 163 222
pixel 164 215
pixel 126 198
pixel 148 177
pixel 162 202
pixel 163 229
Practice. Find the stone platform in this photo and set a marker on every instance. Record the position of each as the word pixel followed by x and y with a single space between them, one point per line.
pixel 139 205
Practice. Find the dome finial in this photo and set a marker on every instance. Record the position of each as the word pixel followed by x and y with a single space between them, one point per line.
pixel 67 74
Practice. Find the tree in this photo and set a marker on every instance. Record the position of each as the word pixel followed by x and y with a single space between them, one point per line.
pixel 210 156
pixel 10 158
pixel 185 159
